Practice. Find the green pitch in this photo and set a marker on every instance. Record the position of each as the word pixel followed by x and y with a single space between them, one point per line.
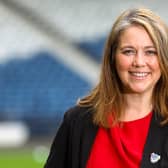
pixel 21 159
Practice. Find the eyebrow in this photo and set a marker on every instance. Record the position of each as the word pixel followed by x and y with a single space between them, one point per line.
pixel 150 47
pixel 129 46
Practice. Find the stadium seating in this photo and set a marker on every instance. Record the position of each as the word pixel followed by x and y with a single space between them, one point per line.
pixel 93 47
pixel 38 90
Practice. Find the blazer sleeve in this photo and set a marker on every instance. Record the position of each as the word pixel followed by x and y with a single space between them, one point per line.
pixel 59 149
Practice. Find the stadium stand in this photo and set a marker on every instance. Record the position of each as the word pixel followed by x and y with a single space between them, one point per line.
pixel 38 90
pixel 39 87
pixel 93 47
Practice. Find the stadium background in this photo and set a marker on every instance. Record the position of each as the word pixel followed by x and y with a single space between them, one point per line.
pixel 50 55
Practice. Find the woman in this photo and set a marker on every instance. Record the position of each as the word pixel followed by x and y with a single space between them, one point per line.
pixel 123 121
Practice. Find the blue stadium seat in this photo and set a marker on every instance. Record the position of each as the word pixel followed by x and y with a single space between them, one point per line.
pixel 93 47
pixel 38 90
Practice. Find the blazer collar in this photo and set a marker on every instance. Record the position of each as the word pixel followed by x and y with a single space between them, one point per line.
pixel 88 136
pixel 153 150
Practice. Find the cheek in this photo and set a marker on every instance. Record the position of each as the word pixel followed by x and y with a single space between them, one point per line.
pixel 122 64
pixel 155 67
pixel 154 64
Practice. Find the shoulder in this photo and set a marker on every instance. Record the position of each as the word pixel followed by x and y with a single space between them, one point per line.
pixel 78 113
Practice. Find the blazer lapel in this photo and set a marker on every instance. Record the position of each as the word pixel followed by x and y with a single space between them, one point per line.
pixel 153 150
pixel 88 135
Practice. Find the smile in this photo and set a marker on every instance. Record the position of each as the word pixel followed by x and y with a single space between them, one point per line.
pixel 139 74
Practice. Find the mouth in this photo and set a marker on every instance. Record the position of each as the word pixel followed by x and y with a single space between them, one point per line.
pixel 140 74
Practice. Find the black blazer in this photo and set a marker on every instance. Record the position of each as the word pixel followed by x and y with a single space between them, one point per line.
pixel 74 139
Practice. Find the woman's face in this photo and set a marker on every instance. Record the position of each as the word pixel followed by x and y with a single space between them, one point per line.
pixel 137 61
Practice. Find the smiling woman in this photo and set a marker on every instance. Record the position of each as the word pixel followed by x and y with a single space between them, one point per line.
pixel 137 62
pixel 137 66
pixel 123 122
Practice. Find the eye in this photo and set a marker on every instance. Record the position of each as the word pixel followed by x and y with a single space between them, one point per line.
pixel 129 52
pixel 151 52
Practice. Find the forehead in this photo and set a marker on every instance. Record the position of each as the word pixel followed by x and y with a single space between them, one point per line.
pixel 135 35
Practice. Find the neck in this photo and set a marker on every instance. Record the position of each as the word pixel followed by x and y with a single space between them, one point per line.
pixel 136 106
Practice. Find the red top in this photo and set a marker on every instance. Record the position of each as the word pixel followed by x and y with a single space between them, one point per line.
pixel 120 146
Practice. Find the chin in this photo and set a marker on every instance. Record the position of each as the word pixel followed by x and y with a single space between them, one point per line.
pixel 137 90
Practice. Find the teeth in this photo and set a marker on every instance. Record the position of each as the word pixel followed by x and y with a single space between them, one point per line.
pixel 139 74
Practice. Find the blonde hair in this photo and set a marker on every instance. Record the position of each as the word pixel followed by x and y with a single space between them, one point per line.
pixel 106 98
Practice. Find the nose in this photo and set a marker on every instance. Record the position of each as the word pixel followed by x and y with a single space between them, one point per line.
pixel 139 59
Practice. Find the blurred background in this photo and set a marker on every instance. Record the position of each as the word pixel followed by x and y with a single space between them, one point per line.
pixel 50 56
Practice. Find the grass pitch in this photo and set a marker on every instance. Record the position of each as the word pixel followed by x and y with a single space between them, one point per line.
pixel 22 158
